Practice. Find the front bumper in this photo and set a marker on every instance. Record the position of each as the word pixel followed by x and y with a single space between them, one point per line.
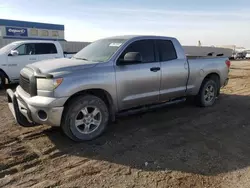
pixel 25 109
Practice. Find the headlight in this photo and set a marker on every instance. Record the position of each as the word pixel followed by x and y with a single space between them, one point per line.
pixel 48 84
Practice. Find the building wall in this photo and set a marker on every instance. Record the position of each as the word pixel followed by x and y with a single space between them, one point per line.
pixel 4 42
pixel 14 29
pixel 71 46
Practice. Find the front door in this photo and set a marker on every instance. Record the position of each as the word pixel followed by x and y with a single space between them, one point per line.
pixel 138 83
pixel 26 55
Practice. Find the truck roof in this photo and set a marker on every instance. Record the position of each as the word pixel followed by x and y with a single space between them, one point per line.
pixel 33 41
pixel 128 37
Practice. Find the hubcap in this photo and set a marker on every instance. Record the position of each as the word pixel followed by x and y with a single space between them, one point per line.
pixel 209 93
pixel 88 119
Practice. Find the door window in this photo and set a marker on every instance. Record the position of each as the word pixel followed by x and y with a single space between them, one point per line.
pixel 144 47
pixel 166 50
pixel 45 48
pixel 26 49
pixel 21 49
pixel 36 49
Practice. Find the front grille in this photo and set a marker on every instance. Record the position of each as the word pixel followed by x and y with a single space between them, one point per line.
pixel 24 83
pixel 27 81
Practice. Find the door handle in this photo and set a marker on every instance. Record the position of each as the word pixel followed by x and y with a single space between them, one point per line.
pixel 155 69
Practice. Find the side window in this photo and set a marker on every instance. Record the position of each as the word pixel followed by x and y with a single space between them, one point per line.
pixel 26 49
pixel 166 50
pixel 21 49
pixel 144 47
pixel 45 48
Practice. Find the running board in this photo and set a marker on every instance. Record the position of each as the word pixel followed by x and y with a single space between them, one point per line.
pixel 150 107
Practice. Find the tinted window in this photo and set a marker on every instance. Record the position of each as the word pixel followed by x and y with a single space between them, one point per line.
pixel 36 48
pixel 166 50
pixel 45 48
pixel 26 49
pixel 144 47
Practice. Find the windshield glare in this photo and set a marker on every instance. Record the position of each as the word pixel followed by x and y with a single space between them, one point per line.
pixel 99 51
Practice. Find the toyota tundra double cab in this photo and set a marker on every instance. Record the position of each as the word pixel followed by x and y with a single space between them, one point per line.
pixel 113 76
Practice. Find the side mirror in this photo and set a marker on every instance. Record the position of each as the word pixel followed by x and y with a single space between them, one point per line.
pixel 130 58
pixel 13 53
pixel 133 57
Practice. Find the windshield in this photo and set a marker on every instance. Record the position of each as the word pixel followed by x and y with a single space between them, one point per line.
pixel 100 51
pixel 7 48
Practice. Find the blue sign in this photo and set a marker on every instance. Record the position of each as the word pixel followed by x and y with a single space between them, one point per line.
pixel 15 31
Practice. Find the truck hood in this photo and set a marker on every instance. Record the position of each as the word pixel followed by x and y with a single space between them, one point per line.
pixel 62 65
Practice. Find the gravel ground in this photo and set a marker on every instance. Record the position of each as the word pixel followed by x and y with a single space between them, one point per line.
pixel 178 146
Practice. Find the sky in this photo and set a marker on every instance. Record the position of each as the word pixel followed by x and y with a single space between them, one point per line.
pixel 213 22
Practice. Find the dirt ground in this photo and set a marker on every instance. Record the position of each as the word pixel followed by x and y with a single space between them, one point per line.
pixel 178 146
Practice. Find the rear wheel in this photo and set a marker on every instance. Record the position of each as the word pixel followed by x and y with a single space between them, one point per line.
pixel 208 93
pixel 85 118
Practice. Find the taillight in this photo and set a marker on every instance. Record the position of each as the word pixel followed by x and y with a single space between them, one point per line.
pixel 228 63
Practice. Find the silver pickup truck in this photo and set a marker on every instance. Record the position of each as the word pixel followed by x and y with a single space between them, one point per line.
pixel 110 77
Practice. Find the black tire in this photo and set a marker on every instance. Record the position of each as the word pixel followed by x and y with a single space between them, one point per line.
pixel 2 81
pixel 201 98
pixel 72 112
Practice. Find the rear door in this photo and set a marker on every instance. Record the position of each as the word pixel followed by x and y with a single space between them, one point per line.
pixel 46 51
pixel 137 83
pixel 174 71
pixel 26 55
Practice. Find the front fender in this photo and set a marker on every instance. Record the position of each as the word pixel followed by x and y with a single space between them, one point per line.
pixel 103 79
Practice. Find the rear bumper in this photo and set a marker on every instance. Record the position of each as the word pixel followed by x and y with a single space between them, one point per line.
pixel 26 111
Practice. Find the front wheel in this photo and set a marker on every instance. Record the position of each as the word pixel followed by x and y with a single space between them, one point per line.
pixel 2 81
pixel 208 93
pixel 85 118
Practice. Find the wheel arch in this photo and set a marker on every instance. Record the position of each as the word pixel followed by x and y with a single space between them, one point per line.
pixel 216 77
pixel 213 75
pixel 4 73
pixel 101 93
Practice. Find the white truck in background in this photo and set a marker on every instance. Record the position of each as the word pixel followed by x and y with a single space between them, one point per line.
pixel 16 55
pixel 247 54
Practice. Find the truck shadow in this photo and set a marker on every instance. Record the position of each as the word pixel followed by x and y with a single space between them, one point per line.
pixel 182 137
